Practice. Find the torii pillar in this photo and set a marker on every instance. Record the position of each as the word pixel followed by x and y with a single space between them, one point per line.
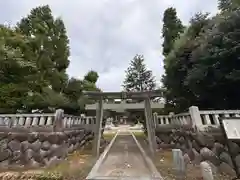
pixel 98 128
pixel 150 126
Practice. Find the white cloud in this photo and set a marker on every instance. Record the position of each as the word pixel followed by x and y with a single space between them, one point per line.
pixel 105 35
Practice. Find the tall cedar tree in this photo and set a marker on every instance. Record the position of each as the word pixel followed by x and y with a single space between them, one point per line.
pixel 178 62
pixel 172 28
pixel 138 78
pixel 49 46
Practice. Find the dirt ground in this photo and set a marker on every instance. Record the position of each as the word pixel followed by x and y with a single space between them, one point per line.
pixel 164 164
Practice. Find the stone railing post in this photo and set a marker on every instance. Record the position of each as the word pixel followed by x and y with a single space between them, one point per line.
pixel 58 123
pixel 155 120
pixel 171 114
pixel 196 119
pixel 10 123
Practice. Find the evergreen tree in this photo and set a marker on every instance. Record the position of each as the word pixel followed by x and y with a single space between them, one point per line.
pixel 91 76
pixel 33 62
pixel 203 67
pixel 177 64
pixel 48 46
pixel 138 78
pixel 228 5
pixel 172 28
pixel 15 70
pixel 75 87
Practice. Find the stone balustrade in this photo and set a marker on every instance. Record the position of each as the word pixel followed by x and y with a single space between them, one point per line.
pixel 46 121
pixel 26 120
pixel 73 121
pixel 212 117
pixel 33 140
pixel 195 117
pixel 162 120
pixel 183 118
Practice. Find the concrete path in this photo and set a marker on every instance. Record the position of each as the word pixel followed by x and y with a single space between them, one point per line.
pixel 124 158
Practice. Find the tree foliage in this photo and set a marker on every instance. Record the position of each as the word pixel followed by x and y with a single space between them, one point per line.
pixel 91 76
pixel 49 45
pixel 138 78
pixel 34 57
pixel 203 66
pixel 172 28
pixel 228 5
pixel 16 72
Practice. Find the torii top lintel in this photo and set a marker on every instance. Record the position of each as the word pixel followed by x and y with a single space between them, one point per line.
pixel 124 95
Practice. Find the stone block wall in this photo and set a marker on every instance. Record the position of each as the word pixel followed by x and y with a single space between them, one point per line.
pixel 198 134
pixel 197 146
pixel 35 140
pixel 34 149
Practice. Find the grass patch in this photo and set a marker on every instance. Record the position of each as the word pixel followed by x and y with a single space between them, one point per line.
pixel 75 167
pixel 75 161
pixel 139 134
pixel 109 135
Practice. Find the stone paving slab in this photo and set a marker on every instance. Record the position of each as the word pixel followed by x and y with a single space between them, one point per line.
pixel 124 159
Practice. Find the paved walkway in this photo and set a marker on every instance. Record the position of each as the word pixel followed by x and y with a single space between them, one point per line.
pixel 124 159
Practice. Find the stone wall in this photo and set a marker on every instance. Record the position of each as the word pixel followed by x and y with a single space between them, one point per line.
pixel 35 140
pixel 34 149
pixel 198 134
pixel 197 146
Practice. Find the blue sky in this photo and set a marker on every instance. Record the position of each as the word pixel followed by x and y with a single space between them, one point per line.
pixel 106 34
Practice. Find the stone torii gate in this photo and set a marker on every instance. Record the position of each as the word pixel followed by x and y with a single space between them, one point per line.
pixel 144 95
